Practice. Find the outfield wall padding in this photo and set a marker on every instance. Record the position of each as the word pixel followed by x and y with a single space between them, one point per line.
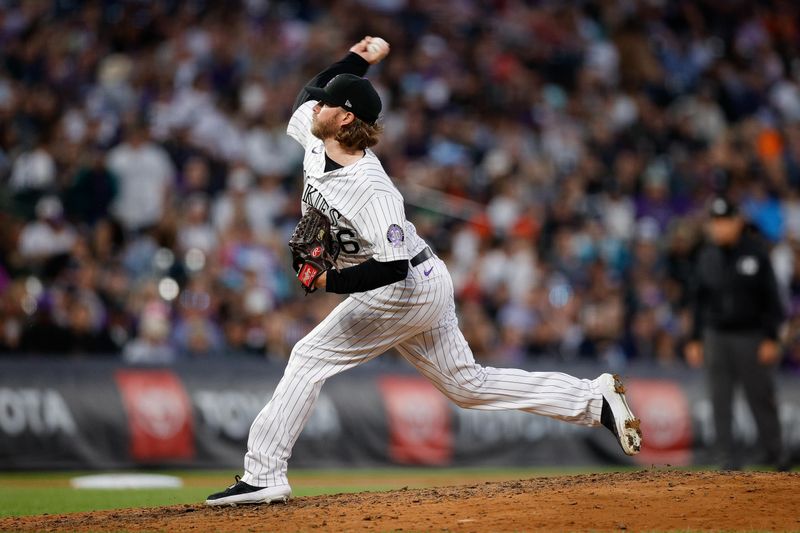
pixel 99 414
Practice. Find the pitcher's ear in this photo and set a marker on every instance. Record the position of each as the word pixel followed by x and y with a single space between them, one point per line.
pixel 348 118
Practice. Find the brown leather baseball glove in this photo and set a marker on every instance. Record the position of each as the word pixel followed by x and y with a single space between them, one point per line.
pixel 314 249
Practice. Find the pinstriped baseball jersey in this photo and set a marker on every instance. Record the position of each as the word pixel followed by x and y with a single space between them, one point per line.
pixel 415 316
pixel 363 205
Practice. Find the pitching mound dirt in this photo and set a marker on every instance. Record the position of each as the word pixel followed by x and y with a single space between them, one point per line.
pixel 646 500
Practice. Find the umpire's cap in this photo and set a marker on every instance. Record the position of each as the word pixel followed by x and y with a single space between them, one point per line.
pixel 721 207
pixel 354 93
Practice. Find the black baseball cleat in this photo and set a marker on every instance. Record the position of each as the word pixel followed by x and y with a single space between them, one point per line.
pixel 242 493
pixel 617 416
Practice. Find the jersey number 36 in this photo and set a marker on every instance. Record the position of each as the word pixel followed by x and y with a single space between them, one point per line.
pixel 347 245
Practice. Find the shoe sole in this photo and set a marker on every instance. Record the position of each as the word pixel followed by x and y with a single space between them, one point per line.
pixel 630 431
pixel 252 498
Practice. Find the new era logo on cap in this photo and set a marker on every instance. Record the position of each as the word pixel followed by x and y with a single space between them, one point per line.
pixel 348 104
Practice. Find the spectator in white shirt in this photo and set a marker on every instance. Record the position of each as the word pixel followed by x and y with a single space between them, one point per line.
pixel 261 206
pixel 49 235
pixel 268 150
pixel 233 200
pixel 266 204
pixel 33 169
pixel 196 231
pixel 146 177
pixel 152 345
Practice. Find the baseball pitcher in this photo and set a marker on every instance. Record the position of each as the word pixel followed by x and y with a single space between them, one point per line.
pixel 354 239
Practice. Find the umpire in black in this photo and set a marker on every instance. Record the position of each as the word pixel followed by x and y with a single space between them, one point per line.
pixel 737 313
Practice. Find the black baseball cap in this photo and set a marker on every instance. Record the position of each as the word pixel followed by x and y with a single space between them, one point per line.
pixel 721 207
pixel 354 93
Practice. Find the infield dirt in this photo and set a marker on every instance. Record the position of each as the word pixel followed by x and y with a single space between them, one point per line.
pixel 647 500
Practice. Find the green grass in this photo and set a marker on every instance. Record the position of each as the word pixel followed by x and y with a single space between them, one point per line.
pixel 35 493
pixel 58 500
pixel 33 501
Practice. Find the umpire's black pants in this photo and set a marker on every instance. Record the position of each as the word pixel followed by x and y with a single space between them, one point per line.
pixel 732 358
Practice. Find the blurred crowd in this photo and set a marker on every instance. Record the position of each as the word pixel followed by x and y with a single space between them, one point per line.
pixel 557 154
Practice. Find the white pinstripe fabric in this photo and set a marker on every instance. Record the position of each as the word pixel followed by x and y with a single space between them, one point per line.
pixel 376 218
pixel 417 316
pixel 360 199
pixel 299 127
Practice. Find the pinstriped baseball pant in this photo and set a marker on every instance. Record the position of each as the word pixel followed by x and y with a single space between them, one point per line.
pixel 416 317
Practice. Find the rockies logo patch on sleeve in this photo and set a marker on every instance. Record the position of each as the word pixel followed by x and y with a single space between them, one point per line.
pixel 395 236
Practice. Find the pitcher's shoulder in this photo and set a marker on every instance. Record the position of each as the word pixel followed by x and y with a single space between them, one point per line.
pixel 375 176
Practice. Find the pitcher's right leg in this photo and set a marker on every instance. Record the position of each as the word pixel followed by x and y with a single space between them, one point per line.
pixel 276 428
pixel 360 328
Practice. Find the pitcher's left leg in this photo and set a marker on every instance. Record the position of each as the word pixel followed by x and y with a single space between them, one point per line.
pixel 443 356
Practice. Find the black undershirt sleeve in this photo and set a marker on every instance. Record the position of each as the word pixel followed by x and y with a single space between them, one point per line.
pixel 352 63
pixel 369 275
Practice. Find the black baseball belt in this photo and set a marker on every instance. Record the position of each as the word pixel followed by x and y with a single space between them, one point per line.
pixel 421 257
